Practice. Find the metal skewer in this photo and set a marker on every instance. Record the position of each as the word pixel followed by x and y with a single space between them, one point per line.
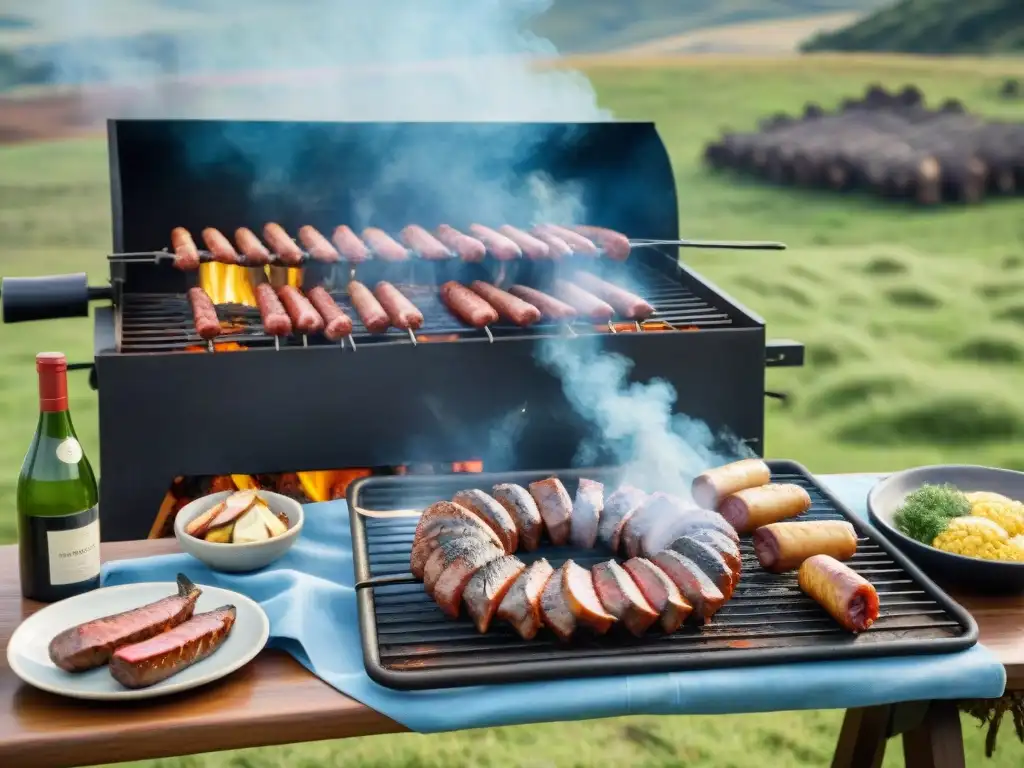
pixel 731 245
pixel 611 327
pixel 412 336
pixel 351 341
pixel 490 336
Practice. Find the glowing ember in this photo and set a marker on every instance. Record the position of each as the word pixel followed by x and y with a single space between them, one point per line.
pixel 218 346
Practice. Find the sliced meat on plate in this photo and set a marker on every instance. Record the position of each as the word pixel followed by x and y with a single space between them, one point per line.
pixel 578 584
pixel 488 587
pixel 696 587
pixel 660 592
pixel 586 513
pixel 618 508
pixel 493 514
pixel 521 605
pixel 518 502
pixel 555 507
pixel 622 598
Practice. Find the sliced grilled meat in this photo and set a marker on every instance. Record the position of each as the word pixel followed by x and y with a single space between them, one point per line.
pixel 657 510
pixel 461 561
pixel 488 587
pixel 586 513
pixel 518 502
pixel 443 532
pixel 660 591
pixel 583 600
pixel 444 515
pixel 709 560
pixel 555 608
pixel 726 547
pixel 493 514
pixel 521 605
pixel 688 521
pixel 555 507
pixel 618 508
pixel 693 583
pixel 622 598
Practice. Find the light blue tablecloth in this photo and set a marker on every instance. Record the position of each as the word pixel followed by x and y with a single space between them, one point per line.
pixel 309 598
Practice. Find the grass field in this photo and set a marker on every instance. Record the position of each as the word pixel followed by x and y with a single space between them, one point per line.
pixel 914 322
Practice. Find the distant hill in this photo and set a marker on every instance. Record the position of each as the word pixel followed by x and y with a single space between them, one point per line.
pixel 935 27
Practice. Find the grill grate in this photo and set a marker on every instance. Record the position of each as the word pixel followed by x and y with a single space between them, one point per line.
pixel 408 643
pixel 162 322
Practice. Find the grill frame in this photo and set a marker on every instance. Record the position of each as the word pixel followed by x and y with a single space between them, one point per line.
pixel 611 655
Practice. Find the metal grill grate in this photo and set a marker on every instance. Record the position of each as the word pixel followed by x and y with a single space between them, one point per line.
pixel 162 322
pixel 408 642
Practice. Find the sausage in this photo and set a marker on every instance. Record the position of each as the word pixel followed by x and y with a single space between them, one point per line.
pixel 424 243
pixel 275 319
pixel 91 644
pixel 282 244
pixel 401 312
pixel 549 306
pixel 147 663
pixel 784 546
pixel 588 305
pixel 370 312
pixel 304 316
pixel 349 246
pixel 558 247
pixel 500 246
pixel 715 484
pixel 467 306
pixel 382 244
pixel 847 596
pixel 574 240
pixel 204 313
pixel 509 307
pixel 615 244
pixel 468 248
pixel 316 245
pixel 186 255
pixel 219 246
pixel 626 304
pixel 256 254
pixel 751 508
pixel 337 324
pixel 531 247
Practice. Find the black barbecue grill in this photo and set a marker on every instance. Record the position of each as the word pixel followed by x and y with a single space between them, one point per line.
pixel 306 404
pixel 408 643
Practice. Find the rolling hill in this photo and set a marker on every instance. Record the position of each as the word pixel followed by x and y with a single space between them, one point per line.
pixel 933 26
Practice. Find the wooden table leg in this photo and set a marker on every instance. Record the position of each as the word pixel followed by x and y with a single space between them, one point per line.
pixel 938 741
pixel 862 739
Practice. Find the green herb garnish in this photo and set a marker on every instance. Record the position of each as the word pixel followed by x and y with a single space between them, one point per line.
pixel 927 511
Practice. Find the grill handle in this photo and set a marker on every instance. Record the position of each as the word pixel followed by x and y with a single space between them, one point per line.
pixel 783 353
pixel 49 297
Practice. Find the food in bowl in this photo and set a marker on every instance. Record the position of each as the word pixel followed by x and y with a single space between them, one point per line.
pixel 979 524
pixel 242 518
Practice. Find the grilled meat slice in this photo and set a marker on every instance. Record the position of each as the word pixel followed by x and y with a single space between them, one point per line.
pixel 437 518
pixel 521 605
pixel 709 560
pixel 488 587
pixel 586 513
pixel 578 584
pixel 726 547
pixel 425 547
pixel 493 514
pixel 696 587
pixel 456 562
pixel 682 524
pixel 621 597
pixel 660 592
pixel 657 511
pixel 555 608
pixel 618 508
pixel 555 507
pixel 518 502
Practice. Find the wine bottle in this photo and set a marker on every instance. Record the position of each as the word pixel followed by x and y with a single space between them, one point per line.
pixel 58 516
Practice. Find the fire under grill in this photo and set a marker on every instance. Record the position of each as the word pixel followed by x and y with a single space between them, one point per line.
pixel 409 644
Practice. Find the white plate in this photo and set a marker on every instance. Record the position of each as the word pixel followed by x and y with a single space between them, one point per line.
pixel 28 656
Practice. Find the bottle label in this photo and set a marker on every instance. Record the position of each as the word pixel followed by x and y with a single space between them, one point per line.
pixel 72 547
pixel 69 451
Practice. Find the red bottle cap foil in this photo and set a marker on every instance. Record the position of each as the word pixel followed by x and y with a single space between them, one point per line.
pixel 52 368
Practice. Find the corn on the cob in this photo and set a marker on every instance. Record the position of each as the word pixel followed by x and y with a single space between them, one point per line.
pixel 972 537
pixel 1014 550
pixel 1009 517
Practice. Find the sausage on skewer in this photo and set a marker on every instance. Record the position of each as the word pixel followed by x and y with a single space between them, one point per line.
pixel 574 240
pixel 349 246
pixel 627 304
pixel 186 255
pixel 285 248
pixel 847 596
pixel 588 305
pixel 219 246
pixel 275 319
pixel 423 243
pixel 318 246
pixel 370 312
pixel 401 312
pixel 204 313
pixel 305 319
pixel 337 325
pixel 382 244
pixel 556 244
pixel 615 244
pixel 531 247
pixel 500 246
pixel 549 306
pixel 467 306
pixel 468 248
pixel 255 252
pixel 509 307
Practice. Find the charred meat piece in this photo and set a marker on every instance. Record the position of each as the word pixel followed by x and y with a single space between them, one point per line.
pixel 204 313
pixel 518 502
pixel 460 560
pixel 751 508
pixel 686 522
pixel 578 584
pixel 714 485
pixel 509 307
pixel 693 583
pixel 151 661
pixel 493 514
pixel 521 605
pixel 555 608
pixel 618 508
pixel 660 591
pixel 555 507
pixel 709 560
pixel 726 547
pixel 657 510
pixel 622 598
pixel 440 533
pixel 467 306
pixel 586 513
pixel 91 644
pixel 846 595
pixel 439 517
pixel 488 587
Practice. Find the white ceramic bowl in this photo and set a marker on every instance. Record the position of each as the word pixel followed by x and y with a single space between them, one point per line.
pixel 238 558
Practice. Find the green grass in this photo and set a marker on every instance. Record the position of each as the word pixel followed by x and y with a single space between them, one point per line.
pixel 914 330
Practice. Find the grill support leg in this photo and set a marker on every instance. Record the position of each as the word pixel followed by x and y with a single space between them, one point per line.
pixel 932 735
pixel 862 738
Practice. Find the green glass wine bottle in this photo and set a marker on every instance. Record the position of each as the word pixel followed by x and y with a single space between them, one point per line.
pixel 58 516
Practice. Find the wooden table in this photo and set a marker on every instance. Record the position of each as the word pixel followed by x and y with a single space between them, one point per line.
pixel 274 700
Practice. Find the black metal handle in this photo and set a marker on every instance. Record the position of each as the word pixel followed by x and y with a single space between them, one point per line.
pixel 45 298
pixel 783 353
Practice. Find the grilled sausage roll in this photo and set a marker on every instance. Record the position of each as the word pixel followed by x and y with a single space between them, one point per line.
pixel 847 596
pixel 753 507
pixel 715 484
pixel 784 546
